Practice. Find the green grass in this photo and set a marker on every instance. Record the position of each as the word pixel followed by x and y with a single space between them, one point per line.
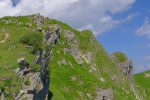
pixel 61 84
pixel 61 78
pixel 143 84
pixel 121 57
pixel 31 40
pixel 10 51
pixel 70 80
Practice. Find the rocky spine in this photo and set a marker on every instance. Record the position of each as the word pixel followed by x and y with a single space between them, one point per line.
pixel 38 89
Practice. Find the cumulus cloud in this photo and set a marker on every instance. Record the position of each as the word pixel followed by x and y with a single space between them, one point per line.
pixel 93 14
pixel 144 30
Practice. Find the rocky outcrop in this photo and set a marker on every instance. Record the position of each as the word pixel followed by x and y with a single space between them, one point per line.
pixel 36 83
pixel 126 66
pixel 24 67
pixel 104 94
pixel 43 62
pixel 74 49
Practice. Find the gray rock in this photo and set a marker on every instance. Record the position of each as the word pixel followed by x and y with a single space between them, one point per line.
pixel 53 38
pixel 2 96
pixel 47 34
pixel 23 67
pixel 74 50
pixel 38 60
pixel 23 63
pixel 88 57
pixel 104 94
pixel 69 35
pixel 39 28
pixel 76 53
pixel 127 67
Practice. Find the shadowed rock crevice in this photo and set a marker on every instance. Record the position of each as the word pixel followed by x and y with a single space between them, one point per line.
pixel 50 95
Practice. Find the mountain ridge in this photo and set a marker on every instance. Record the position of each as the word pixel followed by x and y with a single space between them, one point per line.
pixel 74 63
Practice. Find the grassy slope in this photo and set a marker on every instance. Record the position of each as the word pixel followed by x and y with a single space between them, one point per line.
pixel 143 84
pixel 11 50
pixel 62 86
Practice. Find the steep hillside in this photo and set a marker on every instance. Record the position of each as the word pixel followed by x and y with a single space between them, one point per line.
pixel 142 81
pixel 43 59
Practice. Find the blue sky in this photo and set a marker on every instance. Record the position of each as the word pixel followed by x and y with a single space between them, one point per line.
pixel 124 38
pixel 119 25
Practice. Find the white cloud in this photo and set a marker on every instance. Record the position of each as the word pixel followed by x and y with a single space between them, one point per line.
pixel 77 13
pixel 141 68
pixel 107 23
pixel 88 26
pixel 144 30
pixel 147 58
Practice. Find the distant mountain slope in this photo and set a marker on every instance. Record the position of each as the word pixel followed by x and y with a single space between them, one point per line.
pixel 142 81
pixel 43 59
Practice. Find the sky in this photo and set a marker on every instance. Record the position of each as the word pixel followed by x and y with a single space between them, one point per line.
pixel 119 25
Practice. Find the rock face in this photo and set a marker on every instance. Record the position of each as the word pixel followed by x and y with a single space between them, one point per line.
pixel 74 50
pixel 24 67
pixel 104 94
pixel 127 67
pixel 37 83
pixel 43 61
